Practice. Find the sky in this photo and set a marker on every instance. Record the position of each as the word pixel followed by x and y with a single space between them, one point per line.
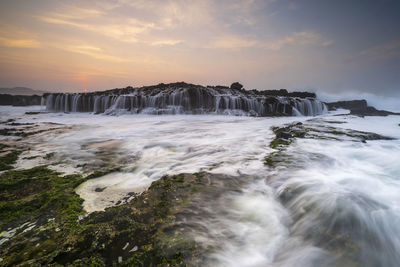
pixel 334 47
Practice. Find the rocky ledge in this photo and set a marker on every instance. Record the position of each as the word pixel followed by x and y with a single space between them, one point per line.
pixel 359 108
pixel 19 100
pixel 183 98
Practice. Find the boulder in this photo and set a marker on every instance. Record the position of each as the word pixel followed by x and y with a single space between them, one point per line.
pixel 236 86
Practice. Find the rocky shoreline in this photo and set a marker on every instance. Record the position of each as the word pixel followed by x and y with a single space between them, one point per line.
pixel 273 106
pixel 43 221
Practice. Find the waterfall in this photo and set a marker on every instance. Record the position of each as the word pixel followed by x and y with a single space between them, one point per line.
pixel 184 100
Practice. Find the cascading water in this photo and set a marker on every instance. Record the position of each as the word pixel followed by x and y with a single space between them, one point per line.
pixel 184 100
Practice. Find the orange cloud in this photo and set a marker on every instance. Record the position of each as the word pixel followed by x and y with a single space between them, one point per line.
pixel 126 30
pixel 166 42
pixel 19 43
pixel 94 52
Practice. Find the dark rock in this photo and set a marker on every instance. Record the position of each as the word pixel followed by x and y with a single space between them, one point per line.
pixel 19 100
pixel 236 86
pixel 284 92
pixel 98 189
pixel 359 108
pixel 351 105
pixel 371 111
pixel 284 135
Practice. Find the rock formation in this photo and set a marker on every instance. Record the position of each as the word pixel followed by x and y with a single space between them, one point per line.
pixel 359 108
pixel 19 100
pixel 183 98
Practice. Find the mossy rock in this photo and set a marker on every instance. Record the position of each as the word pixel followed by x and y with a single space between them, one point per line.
pixel 36 191
pixel 2 146
pixel 278 142
pixel 8 160
pixel 138 233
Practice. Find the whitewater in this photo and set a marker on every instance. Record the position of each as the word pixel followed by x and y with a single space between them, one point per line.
pixel 339 190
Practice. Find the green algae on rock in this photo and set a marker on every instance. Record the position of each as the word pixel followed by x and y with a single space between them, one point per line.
pixel 277 142
pixel 54 232
pixel 7 157
pixel 33 192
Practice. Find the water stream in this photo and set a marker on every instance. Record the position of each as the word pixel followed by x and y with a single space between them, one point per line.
pixel 336 203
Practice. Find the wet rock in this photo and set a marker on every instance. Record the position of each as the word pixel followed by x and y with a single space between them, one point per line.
pixel 290 131
pixel 8 158
pixel 284 135
pixel 359 108
pixel 61 236
pixel 279 142
pixel 284 92
pixel 183 98
pixel 49 155
pixel 351 105
pixel 335 122
pixel 19 100
pixel 98 189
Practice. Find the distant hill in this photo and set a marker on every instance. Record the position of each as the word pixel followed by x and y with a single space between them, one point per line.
pixel 20 91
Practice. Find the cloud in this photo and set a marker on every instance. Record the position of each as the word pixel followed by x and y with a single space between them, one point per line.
pixel 166 42
pixel 234 42
pixel 173 14
pixel 94 52
pixel 19 43
pixel 297 38
pixel 126 30
pixel 384 51
pixel 167 23
pixel 73 12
